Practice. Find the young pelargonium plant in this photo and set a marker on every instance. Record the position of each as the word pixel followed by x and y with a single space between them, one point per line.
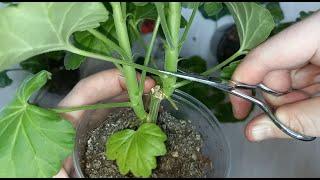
pixel 34 140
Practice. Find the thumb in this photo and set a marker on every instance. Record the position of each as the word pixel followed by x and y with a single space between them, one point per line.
pixel 301 117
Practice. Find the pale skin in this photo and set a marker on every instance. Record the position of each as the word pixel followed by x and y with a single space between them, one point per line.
pixel 289 60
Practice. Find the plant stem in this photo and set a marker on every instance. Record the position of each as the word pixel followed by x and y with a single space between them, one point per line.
pixel 90 107
pixel 114 60
pixel 171 54
pixel 148 55
pixel 156 97
pixel 185 32
pixel 164 25
pixel 215 68
pixel 129 72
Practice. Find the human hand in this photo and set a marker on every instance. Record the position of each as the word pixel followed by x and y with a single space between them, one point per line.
pixel 289 60
pixel 103 85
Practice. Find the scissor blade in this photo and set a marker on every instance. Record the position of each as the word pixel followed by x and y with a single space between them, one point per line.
pixel 212 81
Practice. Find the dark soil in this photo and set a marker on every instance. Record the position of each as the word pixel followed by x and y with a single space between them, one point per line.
pixel 184 144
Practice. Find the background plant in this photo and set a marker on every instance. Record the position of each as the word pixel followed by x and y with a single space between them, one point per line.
pixel 35 140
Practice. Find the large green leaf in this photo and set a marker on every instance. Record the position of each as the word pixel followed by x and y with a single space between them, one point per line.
pixel 4 79
pixel 33 141
pixel 254 23
pixel 136 151
pixel 30 29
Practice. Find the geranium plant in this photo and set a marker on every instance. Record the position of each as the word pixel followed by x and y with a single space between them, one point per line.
pixel 34 140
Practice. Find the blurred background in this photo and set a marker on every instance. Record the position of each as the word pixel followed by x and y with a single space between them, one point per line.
pixel 272 158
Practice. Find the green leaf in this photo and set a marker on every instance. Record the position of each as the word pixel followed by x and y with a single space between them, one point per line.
pixel 183 22
pixel 304 14
pixel 254 23
pixel 227 71
pixel 193 64
pixel 29 29
pixel 140 3
pixel 136 151
pixel 87 41
pixel 190 5
pixel 142 12
pixel 212 8
pixel 4 79
pixel 33 141
pixel 275 10
pixel 224 11
pixel 73 61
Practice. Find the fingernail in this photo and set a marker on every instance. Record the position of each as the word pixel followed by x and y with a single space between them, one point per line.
pixel 261 131
pixel 317 79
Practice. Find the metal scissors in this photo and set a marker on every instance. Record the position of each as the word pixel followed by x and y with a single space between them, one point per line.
pixel 232 87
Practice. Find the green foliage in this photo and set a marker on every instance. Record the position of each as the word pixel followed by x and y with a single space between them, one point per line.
pixel 136 151
pixel 52 25
pixel 4 79
pixel 140 3
pixel 254 23
pixel 73 61
pixel 212 8
pixel 46 61
pixel 193 64
pixel 33 141
pixel 227 71
pixel 275 10
pixel 304 14
pixel 223 12
pixel 190 5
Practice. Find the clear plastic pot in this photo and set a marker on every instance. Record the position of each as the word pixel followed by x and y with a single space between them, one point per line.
pixel 215 143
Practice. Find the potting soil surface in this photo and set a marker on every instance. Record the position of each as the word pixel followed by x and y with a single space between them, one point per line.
pixel 184 143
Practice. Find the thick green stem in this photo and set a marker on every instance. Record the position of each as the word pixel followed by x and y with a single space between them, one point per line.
pixel 148 55
pixel 156 97
pixel 172 54
pixel 129 72
pixel 215 68
pixel 90 107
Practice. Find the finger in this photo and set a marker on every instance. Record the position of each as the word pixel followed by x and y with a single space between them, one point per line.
pixel 68 164
pixel 242 107
pixel 305 76
pixel 301 117
pixel 296 95
pixel 61 174
pixel 282 51
pixel 100 86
